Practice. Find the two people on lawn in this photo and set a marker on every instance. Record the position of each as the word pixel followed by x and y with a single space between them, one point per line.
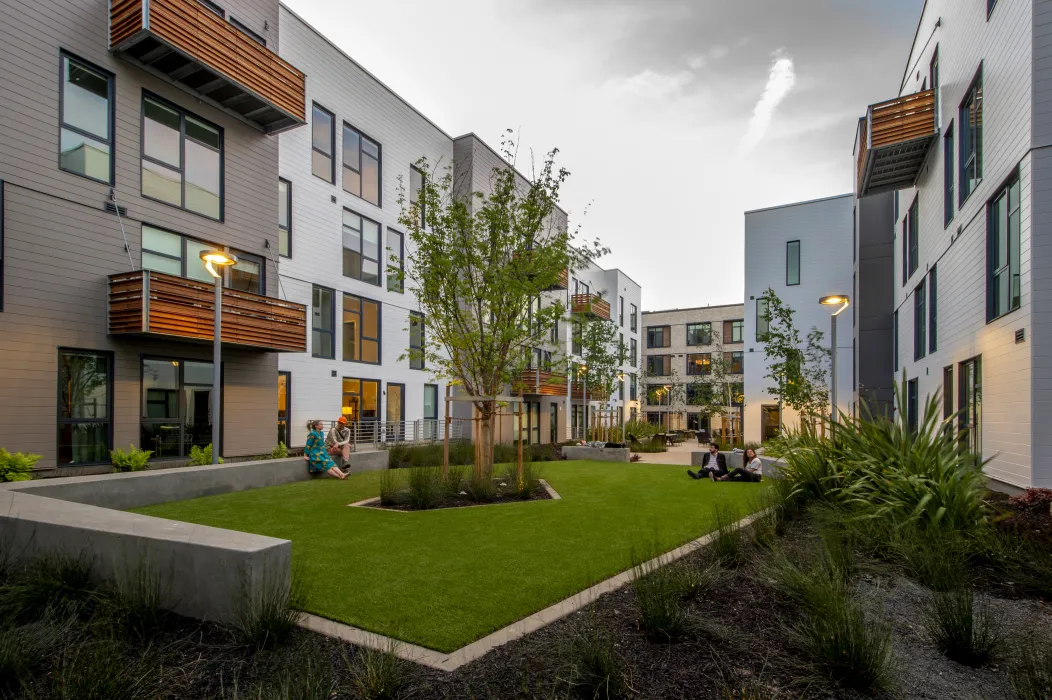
pixel 317 453
pixel 714 467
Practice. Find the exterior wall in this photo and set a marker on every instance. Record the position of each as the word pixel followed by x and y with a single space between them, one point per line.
pixel 823 228
pixel 873 302
pixel 58 215
pixel 354 96
pixel 1005 46
pixel 677 320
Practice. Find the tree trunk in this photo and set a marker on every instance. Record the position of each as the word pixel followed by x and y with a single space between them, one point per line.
pixel 484 465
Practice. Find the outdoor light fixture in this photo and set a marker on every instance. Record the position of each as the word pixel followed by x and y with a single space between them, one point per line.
pixel 841 300
pixel 212 258
pixel 217 257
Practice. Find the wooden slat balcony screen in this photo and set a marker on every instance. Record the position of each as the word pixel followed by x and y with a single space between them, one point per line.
pixel 563 282
pixel 156 304
pixel 204 53
pixel 534 382
pixel 894 138
pixel 590 304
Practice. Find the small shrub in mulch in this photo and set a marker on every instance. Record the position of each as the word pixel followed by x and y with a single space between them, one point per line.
pixel 424 488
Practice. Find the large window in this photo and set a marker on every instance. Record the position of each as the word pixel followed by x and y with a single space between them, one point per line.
pixel 416 340
pixel 920 321
pixel 395 261
pixel 633 352
pixel 734 331
pixel 763 319
pixel 284 218
pixel 173 254
pixel 361 165
pixel 85 407
pixel 933 310
pixel 322 319
pixel 659 337
pixel 949 172
pixel 284 405
pixel 86 115
pixel 176 406
pixel 792 263
pixel 734 361
pixel 361 400
pixel 659 365
pixel 699 334
pixel 632 318
pixel 1002 246
pixel 416 188
pixel 910 245
pixel 970 404
pixel 323 137
pixel 699 364
pixel 361 330
pixel 970 126
pixel 182 158
pixel 361 248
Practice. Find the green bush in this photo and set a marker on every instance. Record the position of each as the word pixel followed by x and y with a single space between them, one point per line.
pixel 392 481
pixel 454 478
pixel 280 452
pixel 61 584
pixel 135 601
pixel 462 453
pixel 201 457
pixel 649 447
pixel 1032 676
pixel 26 648
pixel 480 489
pixel 531 476
pixel 659 592
pixel 377 675
pixel 99 669
pixel 266 619
pixel 16 466
pixel 728 547
pixel 962 626
pixel 134 460
pixel 425 487
pixel 641 429
pixel 596 670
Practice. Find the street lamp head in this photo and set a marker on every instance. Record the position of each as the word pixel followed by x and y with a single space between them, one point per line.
pixel 834 300
pixel 213 258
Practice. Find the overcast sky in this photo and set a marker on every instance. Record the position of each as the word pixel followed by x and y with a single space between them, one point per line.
pixel 673 116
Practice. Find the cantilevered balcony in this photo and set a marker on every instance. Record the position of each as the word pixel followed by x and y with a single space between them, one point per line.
pixel 534 382
pixel 200 51
pixel 590 304
pixel 893 141
pixel 562 283
pixel 155 304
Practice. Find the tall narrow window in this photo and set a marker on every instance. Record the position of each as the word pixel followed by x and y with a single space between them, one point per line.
pixel 970 125
pixel 947 392
pixel 395 261
pixel 85 410
pixel 284 218
pixel 949 172
pixel 431 411
pixel 416 340
pixel 361 248
pixel 920 322
pixel 621 311
pixel 933 77
pixel 763 319
pixel 322 335
pixel 361 402
pixel 416 189
pixel 86 107
pixel 737 331
pixel 182 159
pixel 284 406
pixel 632 319
pixel 361 330
pixel 323 137
pixel 910 240
pixel 792 263
pixel 933 310
pixel 912 404
pixel 970 405
pixel 1002 245
pixel 633 389
pixel 361 165
pixel 576 346
pixel 895 341
pixel 633 357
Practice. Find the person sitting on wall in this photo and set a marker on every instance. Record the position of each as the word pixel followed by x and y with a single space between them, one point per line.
pixel 318 459
pixel 713 464
pixel 752 471
pixel 338 441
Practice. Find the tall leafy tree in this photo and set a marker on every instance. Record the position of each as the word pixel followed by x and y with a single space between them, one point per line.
pixel 602 356
pixel 712 393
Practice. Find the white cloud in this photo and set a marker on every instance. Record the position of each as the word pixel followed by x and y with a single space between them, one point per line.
pixel 649 84
pixel 779 82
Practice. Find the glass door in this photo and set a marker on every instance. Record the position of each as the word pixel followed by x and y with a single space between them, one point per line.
pixel 553 434
pixel 284 403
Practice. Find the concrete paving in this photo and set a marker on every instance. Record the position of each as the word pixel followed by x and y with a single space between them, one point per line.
pixel 677 454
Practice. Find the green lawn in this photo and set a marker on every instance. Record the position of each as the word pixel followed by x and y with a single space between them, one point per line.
pixel 444 578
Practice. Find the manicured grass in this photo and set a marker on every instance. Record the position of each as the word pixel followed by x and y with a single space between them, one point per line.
pixel 444 578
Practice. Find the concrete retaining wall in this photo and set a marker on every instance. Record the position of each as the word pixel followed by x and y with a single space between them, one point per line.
pixel 368 461
pixel 597 454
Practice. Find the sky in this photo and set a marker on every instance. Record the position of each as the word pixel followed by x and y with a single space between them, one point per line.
pixel 674 117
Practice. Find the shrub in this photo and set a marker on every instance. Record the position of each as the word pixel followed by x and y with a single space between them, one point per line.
pixel 480 489
pixel 26 648
pixel 377 675
pixel 962 627
pixel 659 593
pixel 280 452
pixel 201 457
pixel 98 669
pixel 454 478
pixel 811 588
pixel 641 429
pixel 310 680
pixel 135 601
pixel 839 551
pixel 16 466
pixel 727 545
pixel 696 578
pixel 1032 676
pixel 391 483
pixel 596 670
pixel 649 447
pixel 1032 500
pixel 530 479
pixel 134 460
pixel 58 583
pixel 425 487
pixel 267 619
pixel 935 560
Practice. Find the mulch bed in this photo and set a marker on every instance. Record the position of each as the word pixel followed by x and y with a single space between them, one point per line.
pixel 504 492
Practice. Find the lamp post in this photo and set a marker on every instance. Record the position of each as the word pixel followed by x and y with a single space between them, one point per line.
pixel 624 404
pixel 842 301
pixel 213 258
pixel 668 411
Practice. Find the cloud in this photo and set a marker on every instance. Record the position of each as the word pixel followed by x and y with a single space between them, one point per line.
pixel 649 84
pixel 780 81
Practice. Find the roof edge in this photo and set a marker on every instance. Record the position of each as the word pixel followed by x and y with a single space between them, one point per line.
pixel 800 204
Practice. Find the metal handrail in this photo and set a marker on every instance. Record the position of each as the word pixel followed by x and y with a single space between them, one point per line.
pixel 386 433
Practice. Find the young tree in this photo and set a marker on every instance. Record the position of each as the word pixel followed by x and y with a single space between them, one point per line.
pixel 814 399
pixel 601 357
pixel 670 390
pixel 476 262
pixel 711 393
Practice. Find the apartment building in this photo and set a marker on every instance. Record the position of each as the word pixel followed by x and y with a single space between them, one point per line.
pixel 803 251
pixel 873 298
pixel 136 135
pixel 680 346
pixel 964 147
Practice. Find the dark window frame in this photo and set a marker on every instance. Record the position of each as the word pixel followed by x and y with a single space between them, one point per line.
pixel 911 241
pixel 666 336
pixel 634 350
pixel 287 228
pixel 920 320
pixel 973 400
pixel 60 421
pixel 799 259
pixel 362 381
pixel 974 94
pixel 399 279
pixel 417 363
pixel 244 29
pixel 737 326
pixel 949 173
pixel 1013 255
pixel 421 205
pixel 694 328
pixel 362 336
pixel 182 409
pixel 763 319
pixel 895 340
pixel 427 388
pixel 380 245
pixel 990 5
pixel 214 8
pixel 621 311
pixel 933 309
pixel 734 361
pixel 332 144
pixel 934 79
pixel 288 407
pixel 112 98
pixel 666 362
pixel 913 405
pixel 633 318
pixel 331 332
pixel 693 360
pixel 362 136
pixel 185 260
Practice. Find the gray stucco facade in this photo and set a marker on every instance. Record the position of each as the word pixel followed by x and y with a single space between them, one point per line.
pixel 874 301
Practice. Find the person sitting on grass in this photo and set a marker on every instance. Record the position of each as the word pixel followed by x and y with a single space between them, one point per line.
pixel 752 471
pixel 318 459
pixel 713 464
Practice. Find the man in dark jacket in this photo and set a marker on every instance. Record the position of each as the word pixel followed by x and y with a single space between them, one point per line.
pixel 713 465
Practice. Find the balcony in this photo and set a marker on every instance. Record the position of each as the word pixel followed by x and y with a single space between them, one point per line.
pixel 183 41
pixel 534 382
pixel 893 141
pixel 591 305
pixel 153 304
pixel 562 283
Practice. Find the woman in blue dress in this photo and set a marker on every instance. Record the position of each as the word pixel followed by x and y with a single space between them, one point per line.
pixel 318 459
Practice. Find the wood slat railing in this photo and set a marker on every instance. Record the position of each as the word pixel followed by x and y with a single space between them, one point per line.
pixel 534 382
pixel 590 304
pixel 893 124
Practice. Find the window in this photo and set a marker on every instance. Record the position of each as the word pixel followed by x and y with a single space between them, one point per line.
pixel 182 159
pixel 361 165
pixel 621 390
pixel 1002 245
pixel 792 263
pixel 920 322
pixel 361 400
pixel 416 341
pixel 248 32
pixel 947 392
pixel 621 311
pixel 734 331
pixel 284 405
pixel 634 352
pixel 659 365
pixel 763 319
pixel 211 6
pixel 86 116
pixel 633 390
pixel 970 404
pixel 416 187
pixel 632 319
pixel 176 406
pixel 970 125
pixel 246 275
pixel 910 248
pixel 699 364
pixel 284 218
pixel 948 173
pixel 933 309
pixel 933 76
pixel 912 400
pixel 361 330
pixel 85 407
pixel 895 340
pixel 738 394
pixel 990 7
pixel 322 312
pixel 361 248
pixel 576 346
pixel 173 254
pixel 735 362
pixel 395 261
pixel 323 136
pixel 659 337
pixel 656 394
pixel 529 423
pixel 431 411
pixel 699 334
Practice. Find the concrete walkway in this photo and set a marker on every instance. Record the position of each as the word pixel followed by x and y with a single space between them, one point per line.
pixel 678 454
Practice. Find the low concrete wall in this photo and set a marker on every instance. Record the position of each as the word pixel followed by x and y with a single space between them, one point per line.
pixel 368 461
pixel 734 459
pixel 597 454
